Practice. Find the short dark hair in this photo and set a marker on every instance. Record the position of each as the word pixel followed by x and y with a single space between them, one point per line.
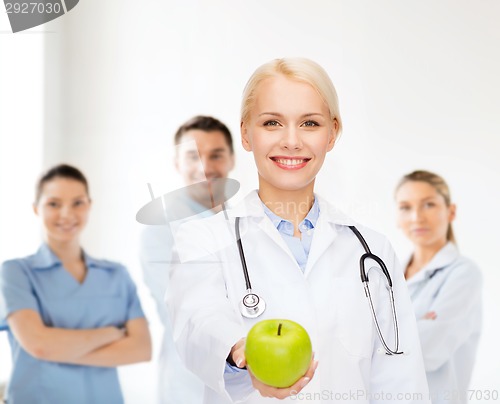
pixel 60 171
pixel 207 124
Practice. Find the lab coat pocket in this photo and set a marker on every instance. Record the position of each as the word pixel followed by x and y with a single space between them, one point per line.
pixel 354 328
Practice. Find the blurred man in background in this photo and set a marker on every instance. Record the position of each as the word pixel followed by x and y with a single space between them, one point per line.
pixel 204 152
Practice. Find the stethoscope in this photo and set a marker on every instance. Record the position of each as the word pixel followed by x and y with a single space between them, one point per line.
pixel 252 305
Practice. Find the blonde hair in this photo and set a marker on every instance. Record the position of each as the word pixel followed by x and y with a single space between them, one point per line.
pixel 438 183
pixel 300 69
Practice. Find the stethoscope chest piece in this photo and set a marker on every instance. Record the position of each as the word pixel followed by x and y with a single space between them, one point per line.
pixel 252 306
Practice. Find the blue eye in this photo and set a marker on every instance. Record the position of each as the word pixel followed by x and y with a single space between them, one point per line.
pixel 271 123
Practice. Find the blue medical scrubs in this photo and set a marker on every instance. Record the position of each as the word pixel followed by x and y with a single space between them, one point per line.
pixel 107 297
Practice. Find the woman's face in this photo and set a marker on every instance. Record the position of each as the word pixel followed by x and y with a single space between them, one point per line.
pixel 63 208
pixel 422 213
pixel 289 131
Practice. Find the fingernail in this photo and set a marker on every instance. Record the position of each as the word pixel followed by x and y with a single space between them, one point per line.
pixel 304 383
pixel 238 362
pixel 315 365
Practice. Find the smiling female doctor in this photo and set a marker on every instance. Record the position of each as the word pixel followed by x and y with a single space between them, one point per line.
pixel 302 260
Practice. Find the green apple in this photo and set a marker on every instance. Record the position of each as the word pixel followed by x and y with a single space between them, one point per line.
pixel 278 352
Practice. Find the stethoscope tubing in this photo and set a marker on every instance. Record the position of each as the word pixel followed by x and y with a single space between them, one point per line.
pixel 242 256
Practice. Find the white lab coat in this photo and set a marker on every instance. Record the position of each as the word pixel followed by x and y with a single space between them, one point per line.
pixel 327 299
pixel 450 285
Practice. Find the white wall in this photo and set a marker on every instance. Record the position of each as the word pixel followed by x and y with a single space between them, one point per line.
pixel 418 84
pixel 21 138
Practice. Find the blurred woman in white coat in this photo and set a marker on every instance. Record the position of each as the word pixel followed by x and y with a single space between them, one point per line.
pixel 302 259
pixel 445 287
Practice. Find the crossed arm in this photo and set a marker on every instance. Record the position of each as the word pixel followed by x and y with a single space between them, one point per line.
pixel 106 346
pixel 455 315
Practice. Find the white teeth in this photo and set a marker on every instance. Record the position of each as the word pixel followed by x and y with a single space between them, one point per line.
pixel 290 162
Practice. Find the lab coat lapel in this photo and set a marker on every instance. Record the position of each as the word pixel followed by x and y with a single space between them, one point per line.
pixel 443 257
pixel 272 232
pixel 441 260
pixel 251 209
pixel 325 231
pixel 324 235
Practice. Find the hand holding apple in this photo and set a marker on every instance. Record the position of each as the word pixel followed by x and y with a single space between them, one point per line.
pixel 281 393
pixel 238 356
pixel 237 353
pixel 278 352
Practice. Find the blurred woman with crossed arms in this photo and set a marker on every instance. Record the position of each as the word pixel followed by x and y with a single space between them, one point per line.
pixel 445 287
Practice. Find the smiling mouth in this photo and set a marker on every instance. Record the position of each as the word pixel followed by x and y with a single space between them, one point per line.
pixel 291 162
pixel 419 230
pixel 66 227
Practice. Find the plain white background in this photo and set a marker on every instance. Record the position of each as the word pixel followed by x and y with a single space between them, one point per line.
pixel 105 87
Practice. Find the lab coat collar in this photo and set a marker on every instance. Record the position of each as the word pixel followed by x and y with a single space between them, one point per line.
pixel 333 215
pixel 325 231
pixel 252 206
pixel 442 259
pixel 330 222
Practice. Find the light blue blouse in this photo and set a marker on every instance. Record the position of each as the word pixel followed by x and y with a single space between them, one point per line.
pixel 299 247
pixel 107 297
